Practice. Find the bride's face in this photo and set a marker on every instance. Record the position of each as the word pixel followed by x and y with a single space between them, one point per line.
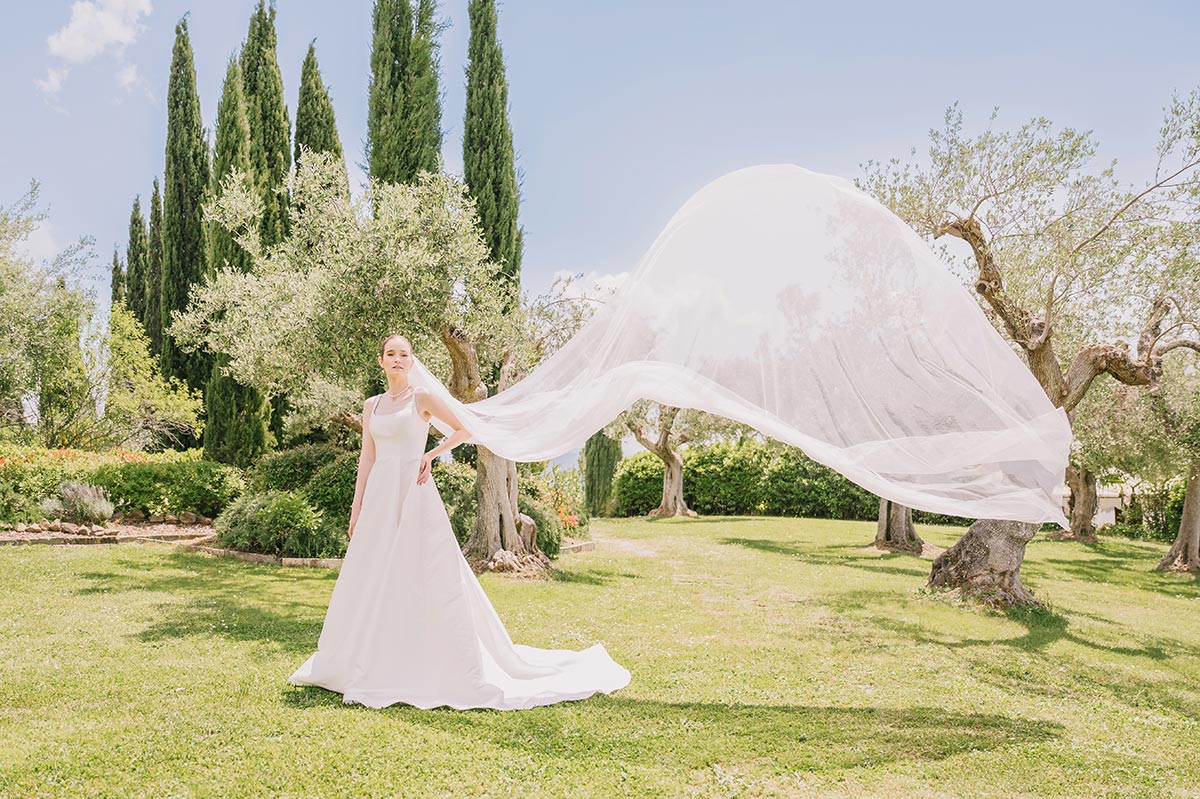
pixel 397 357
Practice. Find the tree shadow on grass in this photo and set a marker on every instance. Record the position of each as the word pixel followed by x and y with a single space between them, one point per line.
pixel 589 576
pixel 217 596
pixel 688 736
pixel 899 563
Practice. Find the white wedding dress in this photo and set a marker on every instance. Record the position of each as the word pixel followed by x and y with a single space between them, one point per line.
pixel 408 620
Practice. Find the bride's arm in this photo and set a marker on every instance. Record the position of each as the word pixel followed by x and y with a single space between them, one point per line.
pixel 366 459
pixel 429 405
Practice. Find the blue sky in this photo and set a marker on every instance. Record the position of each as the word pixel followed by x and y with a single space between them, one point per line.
pixel 620 110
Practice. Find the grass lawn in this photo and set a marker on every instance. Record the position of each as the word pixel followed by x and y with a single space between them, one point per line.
pixel 770 657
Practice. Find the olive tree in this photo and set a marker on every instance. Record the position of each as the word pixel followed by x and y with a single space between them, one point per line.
pixel 306 319
pixel 1080 272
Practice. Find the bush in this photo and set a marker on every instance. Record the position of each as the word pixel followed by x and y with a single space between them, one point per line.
pixel 202 487
pixel 78 502
pixel 455 483
pixel 331 489
pixel 796 485
pixel 549 528
pixel 724 479
pixel 291 469
pixel 279 523
pixel 156 483
pixel 565 493
pixel 637 484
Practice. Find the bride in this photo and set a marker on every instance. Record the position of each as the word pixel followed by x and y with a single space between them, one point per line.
pixel 408 620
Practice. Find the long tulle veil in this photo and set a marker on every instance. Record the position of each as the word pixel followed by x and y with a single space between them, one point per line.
pixel 792 302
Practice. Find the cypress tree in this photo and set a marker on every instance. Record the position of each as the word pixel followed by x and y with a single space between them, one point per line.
pixel 184 191
pixel 152 316
pixel 270 129
pixel 601 455
pixel 135 260
pixel 236 416
pixel 390 44
pixel 489 167
pixel 118 278
pixel 270 140
pixel 421 130
pixel 316 128
pixel 232 152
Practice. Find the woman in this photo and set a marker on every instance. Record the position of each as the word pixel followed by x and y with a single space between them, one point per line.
pixel 408 621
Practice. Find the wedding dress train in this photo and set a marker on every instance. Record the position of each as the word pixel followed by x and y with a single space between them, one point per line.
pixel 408 620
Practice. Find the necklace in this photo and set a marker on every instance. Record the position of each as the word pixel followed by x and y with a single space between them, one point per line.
pixel 396 396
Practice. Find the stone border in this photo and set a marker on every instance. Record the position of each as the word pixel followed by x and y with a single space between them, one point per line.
pixel 102 538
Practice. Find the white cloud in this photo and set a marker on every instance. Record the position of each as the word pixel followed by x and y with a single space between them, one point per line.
pixel 53 80
pixel 96 27
pixel 128 76
pixel 41 245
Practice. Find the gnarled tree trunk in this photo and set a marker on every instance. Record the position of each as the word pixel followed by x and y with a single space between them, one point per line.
pixel 1184 554
pixel 1082 502
pixel 497 520
pixel 986 563
pixel 895 530
pixel 672 503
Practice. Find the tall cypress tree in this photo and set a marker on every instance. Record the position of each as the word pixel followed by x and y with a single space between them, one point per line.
pixel 135 260
pixel 489 167
pixel 236 416
pixel 270 140
pixel 118 278
pixel 270 129
pixel 601 455
pixel 152 315
pixel 185 188
pixel 232 152
pixel 316 128
pixel 421 131
pixel 390 44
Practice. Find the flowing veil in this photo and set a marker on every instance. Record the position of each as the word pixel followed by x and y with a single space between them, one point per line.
pixel 791 301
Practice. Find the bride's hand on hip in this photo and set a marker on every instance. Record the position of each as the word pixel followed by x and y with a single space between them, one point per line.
pixel 426 468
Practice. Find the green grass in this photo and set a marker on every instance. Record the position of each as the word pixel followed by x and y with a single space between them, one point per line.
pixel 770 657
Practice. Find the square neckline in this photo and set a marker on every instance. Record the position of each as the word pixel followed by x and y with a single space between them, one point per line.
pixel 375 406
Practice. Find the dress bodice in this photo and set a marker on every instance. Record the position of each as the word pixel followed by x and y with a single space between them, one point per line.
pixel 400 434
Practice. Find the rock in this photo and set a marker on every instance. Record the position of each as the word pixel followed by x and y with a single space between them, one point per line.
pixel 171 518
pixel 206 520
pixel 187 517
pixel 136 514
pixel 98 529
pixel 33 528
pixel 72 529
pixel 54 526
pixel 155 518
pixel 117 518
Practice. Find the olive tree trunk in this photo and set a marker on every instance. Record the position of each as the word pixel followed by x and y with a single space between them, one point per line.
pixel 672 503
pixel 1184 554
pixel 1082 502
pixel 498 523
pixel 895 529
pixel 986 563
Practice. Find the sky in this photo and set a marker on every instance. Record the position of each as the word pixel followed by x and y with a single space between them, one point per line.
pixel 620 110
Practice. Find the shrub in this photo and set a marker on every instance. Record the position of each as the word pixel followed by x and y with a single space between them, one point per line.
pixel 549 528
pixel 796 485
pixel 78 502
pixel 455 483
pixel 274 522
pixel 291 469
pixel 156 483
pixel 566 495
pixel 331 489
pixel 202 487
pixel 637 484
pixel 723 478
